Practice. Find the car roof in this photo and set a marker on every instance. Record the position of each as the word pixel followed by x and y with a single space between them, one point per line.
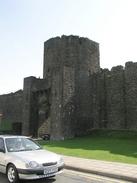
pixel 13 136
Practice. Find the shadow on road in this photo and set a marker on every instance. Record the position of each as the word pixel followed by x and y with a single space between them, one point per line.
pixel 3 179
pixel 47 180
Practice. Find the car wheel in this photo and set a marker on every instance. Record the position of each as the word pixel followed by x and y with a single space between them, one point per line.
pixel 12 174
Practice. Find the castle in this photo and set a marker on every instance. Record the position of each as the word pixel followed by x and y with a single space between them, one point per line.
pixel 75 94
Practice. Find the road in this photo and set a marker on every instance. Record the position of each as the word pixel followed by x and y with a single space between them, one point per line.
pixel 70 177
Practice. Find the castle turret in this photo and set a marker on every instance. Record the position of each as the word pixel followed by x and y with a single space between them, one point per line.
pixel 69 63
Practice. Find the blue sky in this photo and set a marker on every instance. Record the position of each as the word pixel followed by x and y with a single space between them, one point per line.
pixel 26 24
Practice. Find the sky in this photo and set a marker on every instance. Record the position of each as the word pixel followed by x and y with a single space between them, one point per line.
pixel 26 24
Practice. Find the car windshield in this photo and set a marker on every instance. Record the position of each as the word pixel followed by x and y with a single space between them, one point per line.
pixel 21 144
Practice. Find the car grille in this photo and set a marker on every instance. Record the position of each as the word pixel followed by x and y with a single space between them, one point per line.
pixel 49 164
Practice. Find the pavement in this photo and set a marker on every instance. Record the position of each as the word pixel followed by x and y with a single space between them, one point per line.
pixel 127 172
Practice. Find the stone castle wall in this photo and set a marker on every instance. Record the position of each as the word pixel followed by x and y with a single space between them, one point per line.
pixel 11 109
pixel 118 97
pixel 75 94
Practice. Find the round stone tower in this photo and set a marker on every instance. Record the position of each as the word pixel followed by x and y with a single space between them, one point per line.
pixel 69 63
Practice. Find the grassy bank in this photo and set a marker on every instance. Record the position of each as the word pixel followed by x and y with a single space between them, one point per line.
pixel 118 146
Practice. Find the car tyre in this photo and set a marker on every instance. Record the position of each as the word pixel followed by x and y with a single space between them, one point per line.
pixel 12 174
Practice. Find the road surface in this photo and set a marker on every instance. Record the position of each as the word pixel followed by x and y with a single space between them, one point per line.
pixel 70 177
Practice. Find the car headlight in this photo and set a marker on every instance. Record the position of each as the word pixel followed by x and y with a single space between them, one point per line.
pixel 32 164
pixel 61 161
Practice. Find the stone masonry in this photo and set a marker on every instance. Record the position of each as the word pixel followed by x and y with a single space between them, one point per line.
pixel 11 110
pixel 68 64
pixel 75 95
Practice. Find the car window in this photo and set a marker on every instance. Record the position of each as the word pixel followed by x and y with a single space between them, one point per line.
pixel 2 145
pixel 21 144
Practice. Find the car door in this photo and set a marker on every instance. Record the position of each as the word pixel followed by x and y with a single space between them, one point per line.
pixel 2 156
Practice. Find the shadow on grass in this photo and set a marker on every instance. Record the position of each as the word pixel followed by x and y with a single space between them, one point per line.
pixel 116 143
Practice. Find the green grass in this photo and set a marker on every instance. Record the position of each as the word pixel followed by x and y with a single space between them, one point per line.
pixel 118 146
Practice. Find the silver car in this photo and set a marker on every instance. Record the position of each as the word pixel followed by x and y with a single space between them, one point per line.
pixel 23 158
